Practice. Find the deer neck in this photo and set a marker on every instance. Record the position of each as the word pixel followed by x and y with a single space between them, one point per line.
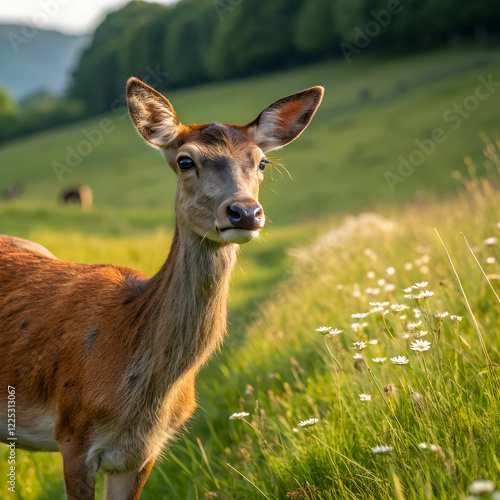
pixel 184 314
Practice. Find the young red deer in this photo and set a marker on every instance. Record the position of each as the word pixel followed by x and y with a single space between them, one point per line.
pixel 102 358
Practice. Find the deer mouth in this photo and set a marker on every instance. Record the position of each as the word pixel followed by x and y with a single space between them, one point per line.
pixel 239 235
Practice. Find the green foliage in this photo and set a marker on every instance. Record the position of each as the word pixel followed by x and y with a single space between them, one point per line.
pixel 196 41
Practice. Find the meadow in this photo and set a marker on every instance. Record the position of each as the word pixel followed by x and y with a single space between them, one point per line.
pixel 316 267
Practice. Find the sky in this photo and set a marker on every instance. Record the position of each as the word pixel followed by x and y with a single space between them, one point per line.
pixel 69 16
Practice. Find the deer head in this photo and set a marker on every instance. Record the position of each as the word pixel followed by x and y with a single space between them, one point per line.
pixel 219 166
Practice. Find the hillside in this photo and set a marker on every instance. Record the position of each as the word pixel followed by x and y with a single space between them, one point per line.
pixel 37 60
pixel 373 113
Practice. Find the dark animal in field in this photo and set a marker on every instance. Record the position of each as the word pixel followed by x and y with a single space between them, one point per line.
pixel 80 194
pixel 13 191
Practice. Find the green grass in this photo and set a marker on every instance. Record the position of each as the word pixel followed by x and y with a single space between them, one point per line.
pixel 274 365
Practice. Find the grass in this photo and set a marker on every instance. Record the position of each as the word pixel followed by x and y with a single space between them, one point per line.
pixel 275 366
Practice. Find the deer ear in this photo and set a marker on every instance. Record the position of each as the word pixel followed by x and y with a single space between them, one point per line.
pixel 153 116
pixel 284 120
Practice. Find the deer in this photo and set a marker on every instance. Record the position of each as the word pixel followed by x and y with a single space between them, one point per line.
pixel 101 358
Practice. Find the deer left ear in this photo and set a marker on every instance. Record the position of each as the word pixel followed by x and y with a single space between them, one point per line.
pixel 284 120
pixel 153 116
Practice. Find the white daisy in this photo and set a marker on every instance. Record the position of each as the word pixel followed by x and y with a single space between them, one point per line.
pixel 239 416
pixel 420 345
pixel 365 397
pixel 399 360
pixel 307 423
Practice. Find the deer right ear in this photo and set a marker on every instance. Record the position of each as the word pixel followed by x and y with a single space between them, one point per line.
pixel 284 120
pixel 152 114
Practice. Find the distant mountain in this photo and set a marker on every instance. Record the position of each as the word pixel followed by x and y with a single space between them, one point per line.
pixel 35 61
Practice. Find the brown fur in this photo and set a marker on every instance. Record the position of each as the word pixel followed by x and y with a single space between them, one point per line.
pixel 106 357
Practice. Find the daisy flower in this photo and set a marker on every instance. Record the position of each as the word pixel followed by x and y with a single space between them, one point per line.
pixel 456 318
pixel 420 345
pixel 307 423
pixel 360 345
pixel 399 360
pixel 239 416
pixel 378 360
pixel 365 397
pixel 381 450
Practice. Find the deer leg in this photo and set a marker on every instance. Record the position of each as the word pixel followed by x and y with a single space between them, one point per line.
pixel 79 478
pixel 126 485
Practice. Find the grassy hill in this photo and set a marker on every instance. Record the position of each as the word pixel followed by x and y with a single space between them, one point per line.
pixel 278 369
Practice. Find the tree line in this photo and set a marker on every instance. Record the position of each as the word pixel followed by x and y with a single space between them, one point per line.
pixel 197 41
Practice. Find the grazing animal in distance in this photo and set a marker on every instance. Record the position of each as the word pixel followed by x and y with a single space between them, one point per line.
pixel 80 194
pixel 13 191
pixel 102 359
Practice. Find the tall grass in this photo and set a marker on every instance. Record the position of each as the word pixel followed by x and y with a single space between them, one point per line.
pixel 426 429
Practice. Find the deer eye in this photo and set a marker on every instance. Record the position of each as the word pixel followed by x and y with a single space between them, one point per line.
pixel 185 163
pixel 262 165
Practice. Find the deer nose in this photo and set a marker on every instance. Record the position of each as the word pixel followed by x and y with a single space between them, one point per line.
pixel 245 217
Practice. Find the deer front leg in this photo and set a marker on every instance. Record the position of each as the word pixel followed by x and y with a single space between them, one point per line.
pixel 79 479
pixel 126 485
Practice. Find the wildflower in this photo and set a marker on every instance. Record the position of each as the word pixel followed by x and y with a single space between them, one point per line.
pixel 456 318
pixel 358 355
pixel 408 290
pixel 379 304
pixel 390 271
pixel 365 397
pixel 399 360
pixel 426 259
pixel 324 329
pixel 482 487
pixel 424 294
pixel 239 416
pixel 406 336
pixel 334 333
pixel 417 313
pixel 431 447
pixel 422 284
pixel 420 345
pixel 370 275
pixel 408 266
pixel 390 287
pixel 375 291
pixel 373 341
pixel 424 269
pixel 378 360
pixel 441 315
pixel 295 429
pixel 359 315
pixel 360 345
pixel 381 282
pixel 382 450
pixel 402 317
pixel 412 326
pixel 399 307
pixel 356 293
pixel 422 333
pixel 377 310
pixel 490 241
pixel 491 260
pixel 307 423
